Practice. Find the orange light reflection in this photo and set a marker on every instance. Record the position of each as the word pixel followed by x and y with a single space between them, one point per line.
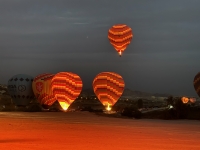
pixel 108 108
pixel 64 105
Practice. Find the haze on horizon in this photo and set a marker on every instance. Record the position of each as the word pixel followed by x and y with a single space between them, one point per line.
pixel 51 36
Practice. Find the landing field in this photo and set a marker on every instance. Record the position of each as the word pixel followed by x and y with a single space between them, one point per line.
pixel 87 131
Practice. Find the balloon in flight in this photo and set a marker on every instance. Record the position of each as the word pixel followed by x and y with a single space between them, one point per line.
pixel 120 36
pixel 20 89
pixel 66 87
pixel 108 87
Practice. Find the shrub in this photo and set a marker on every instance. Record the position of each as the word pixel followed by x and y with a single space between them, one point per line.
pixel 87 108
pixel 131 112
pixel 127 111
pixel 34 108
pixel 140 103
pixel 137 114
pixel 169 114
pixel 8 108
pixel 182 109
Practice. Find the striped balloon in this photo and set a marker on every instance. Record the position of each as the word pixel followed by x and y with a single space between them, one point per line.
pixel 120 37
pixel 42 89
pixel 37 85
pixel 66 87
pixel 185 100
pixel 196 83
pixel 108 87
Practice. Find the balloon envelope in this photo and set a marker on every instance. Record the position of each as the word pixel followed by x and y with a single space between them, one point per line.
pixel 66 87
pixel 108 87
pixel 42 89
pixel 20 89
pixel 196 83
pixel 192 100
pixel 120 37
pixel 185 100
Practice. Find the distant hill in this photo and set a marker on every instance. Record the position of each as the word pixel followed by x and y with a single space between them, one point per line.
pixel 161 95
pixel 127 92
pixel 89 91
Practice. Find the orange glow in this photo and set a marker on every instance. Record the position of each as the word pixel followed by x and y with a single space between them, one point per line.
pixel 120 37
pixel 64 105
pixel 66 87
pixel 108 87
pixel 185 100
pixel 192 100
pixel 41 86
pixel 120 53
pixel 108 108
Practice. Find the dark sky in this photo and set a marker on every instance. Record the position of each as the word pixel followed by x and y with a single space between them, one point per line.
pixel 49 36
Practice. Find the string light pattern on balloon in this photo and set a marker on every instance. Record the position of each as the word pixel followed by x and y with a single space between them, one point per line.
pixel 42 89
pixel 47 99
pixel 120 37
pixel 37 84
pixel 66 87
pixel 108 87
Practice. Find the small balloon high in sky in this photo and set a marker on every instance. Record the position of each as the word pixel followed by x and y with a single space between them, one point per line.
pixel 120 37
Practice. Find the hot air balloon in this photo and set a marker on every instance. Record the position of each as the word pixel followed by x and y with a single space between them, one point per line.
pixel 108 87
pixel 120 37
pixel 185 100
pixel 20 89
pixel 66 87
pixel 192 100
pixel 42 89
pixel 196 83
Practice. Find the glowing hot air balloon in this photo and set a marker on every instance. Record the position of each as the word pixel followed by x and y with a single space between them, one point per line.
pixel 66 87
pixel 37 84
pixel 185 100
pixel 42 89
pixel 20 89
pixel 120 37
pixel 108 87
pixel 192 100
pixel 196 83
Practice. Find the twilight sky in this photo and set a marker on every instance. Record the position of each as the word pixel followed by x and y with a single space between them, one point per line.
pixel 50 36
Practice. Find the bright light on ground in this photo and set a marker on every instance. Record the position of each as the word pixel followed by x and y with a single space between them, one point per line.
pixel 64 105
pixel 108 108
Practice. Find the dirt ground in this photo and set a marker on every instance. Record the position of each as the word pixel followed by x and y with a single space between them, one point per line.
pixel 87 131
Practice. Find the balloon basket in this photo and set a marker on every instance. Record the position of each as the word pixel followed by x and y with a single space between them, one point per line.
pixel 45 110
pixel 109 112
